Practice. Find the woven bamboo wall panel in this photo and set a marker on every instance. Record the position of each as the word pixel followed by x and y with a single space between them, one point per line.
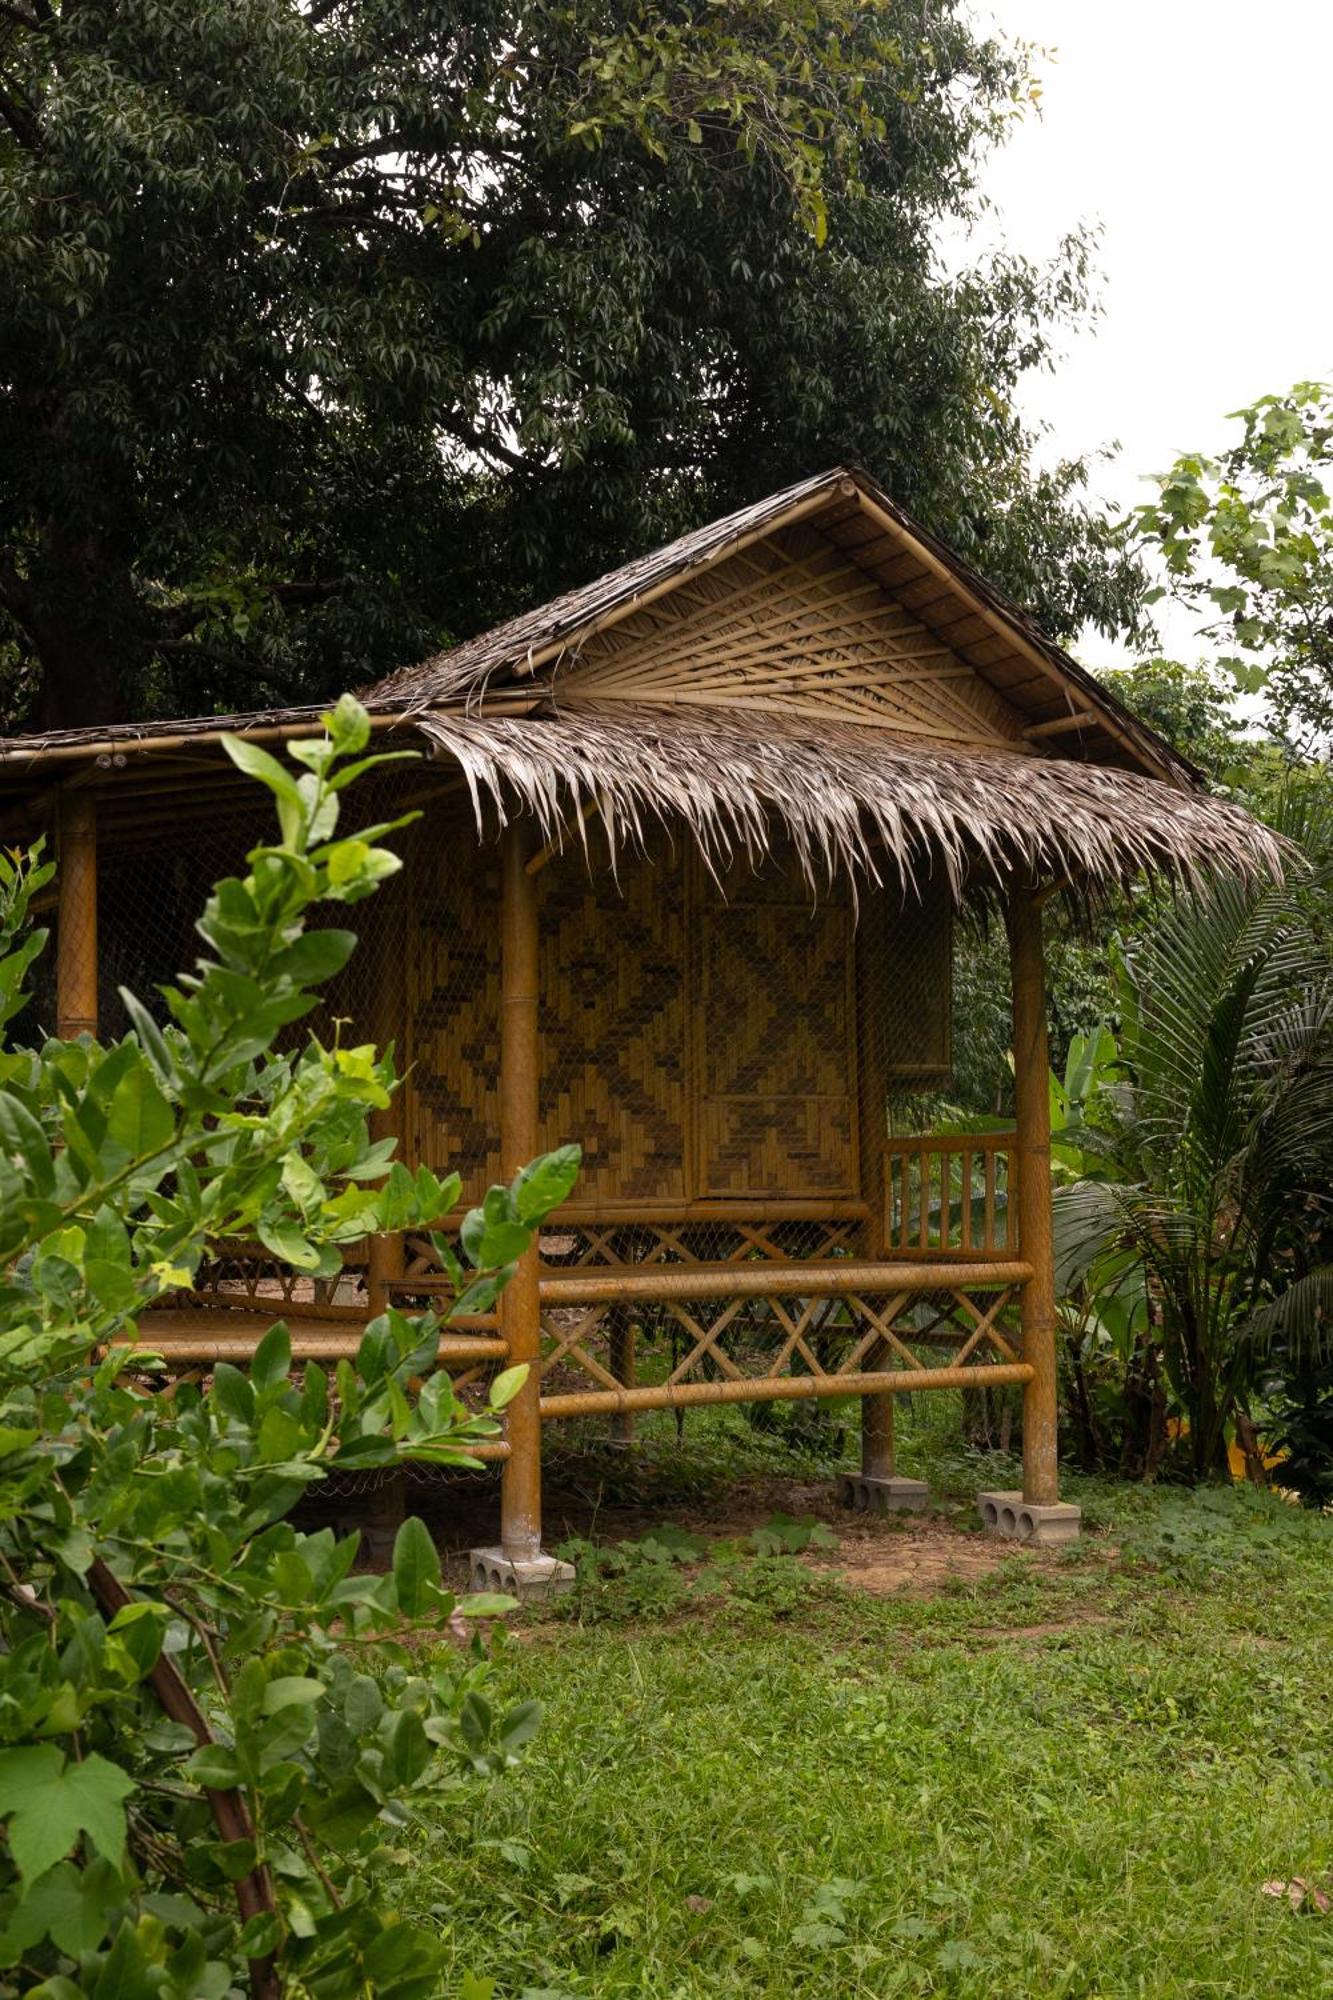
pixel 453 1002
pixel 775 1045
pixel 613 959
pixel 792 624
pixel 692 1046
pixel 776 1146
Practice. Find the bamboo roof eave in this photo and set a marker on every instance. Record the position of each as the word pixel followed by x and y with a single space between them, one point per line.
pixel 847 797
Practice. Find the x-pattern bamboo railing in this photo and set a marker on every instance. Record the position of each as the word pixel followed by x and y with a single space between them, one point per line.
pixel 789 1312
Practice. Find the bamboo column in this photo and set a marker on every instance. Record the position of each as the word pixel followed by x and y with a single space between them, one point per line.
pixel 520 1302
pixel 386 1256
pixel 76 932
pixel 620 1340
pixel 1032 1106
pixel 877 1450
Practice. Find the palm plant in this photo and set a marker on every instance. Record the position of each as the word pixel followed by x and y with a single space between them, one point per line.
pixel 1208 1159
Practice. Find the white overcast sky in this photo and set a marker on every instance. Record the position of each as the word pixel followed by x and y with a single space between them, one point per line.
pixel 1197 133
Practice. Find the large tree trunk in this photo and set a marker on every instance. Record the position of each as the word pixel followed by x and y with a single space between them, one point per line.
pixel 80 611
pixel 78 684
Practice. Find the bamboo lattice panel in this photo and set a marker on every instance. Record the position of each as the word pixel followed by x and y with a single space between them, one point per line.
pixel 453 1002
pixel 756 1340
pixel 792 624
pixel 692 1046
pixel 776 1048
pixel 613 959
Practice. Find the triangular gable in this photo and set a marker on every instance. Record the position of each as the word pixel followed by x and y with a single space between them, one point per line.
pixel 791 625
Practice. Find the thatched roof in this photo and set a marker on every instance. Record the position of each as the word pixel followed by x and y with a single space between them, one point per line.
pixel 976 622
pixel 815 663
pixel 846 796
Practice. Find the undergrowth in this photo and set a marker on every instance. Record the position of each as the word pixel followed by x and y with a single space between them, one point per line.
pixel 1067 1776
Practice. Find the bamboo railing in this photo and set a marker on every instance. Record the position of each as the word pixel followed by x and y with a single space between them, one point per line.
pixel 952 1195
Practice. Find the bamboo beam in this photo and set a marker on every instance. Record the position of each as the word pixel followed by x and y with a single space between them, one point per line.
pixel 125 746
pixel 76 934
pixel 575 1214
pixel 781 1389
pixel 1082 718
pixel 329 1345
pixel 520 1302
pixel 1041 1478
pixel 834 1278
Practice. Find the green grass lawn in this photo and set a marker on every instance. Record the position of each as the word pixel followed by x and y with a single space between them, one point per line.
pixel 1063 1776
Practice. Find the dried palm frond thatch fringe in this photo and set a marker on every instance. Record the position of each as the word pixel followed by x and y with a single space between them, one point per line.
pixel 848 797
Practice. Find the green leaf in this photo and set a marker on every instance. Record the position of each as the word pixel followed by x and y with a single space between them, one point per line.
pixel 232 1393
pixel 260 1936
pixel 507 1385
pixel 214 1767
pixel 140 1628
pixel 348 725
pixel 272 1363
pixel 49 1804
pixel 292 1690
pixel 519 1726
pixel 416 1568
pixel 409 1750
pixel 287 1243
pixel 257 763
pixel 70 1905
pixel 24 1140
pixel 545 1183
pixel 139 1117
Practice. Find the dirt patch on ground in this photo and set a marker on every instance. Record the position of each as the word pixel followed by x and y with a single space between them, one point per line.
pixel 882 1555
pixel 884 1560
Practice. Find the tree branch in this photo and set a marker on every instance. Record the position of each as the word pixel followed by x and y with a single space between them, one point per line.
pixel 463 433
pixel 231 1815
pixel 21 122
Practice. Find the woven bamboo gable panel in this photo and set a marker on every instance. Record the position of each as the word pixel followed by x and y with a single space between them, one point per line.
pixel 792 624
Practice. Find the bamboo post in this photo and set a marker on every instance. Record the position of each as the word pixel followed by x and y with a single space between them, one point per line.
pixel 520 1302
pixel 877 1451
pixel 76 935
pixel 620 1340
pixel 1033 1157
pixel 386 1260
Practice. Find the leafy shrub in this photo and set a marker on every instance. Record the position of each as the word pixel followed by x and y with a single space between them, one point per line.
pixel 209 1722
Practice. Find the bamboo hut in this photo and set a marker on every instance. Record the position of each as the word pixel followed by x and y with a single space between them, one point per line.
pixel 683 889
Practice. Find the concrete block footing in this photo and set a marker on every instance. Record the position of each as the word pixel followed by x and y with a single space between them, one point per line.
pixel 882 1496
pixel 1020 1520
pixel 531 1579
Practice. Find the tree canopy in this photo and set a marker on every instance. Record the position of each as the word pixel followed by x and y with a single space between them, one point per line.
pixel 334 329
pixel 1247 539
